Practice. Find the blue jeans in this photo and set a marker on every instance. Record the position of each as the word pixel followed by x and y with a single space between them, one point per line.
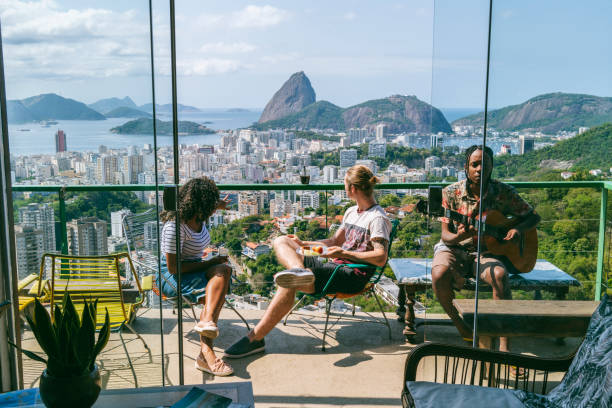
pixel 193 284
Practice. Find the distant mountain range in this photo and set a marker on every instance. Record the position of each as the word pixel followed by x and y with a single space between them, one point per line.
pixel 52 106
pixel 144 126
pixel 547 113
pixel 294 106
pixel 106 105
pixel 47 107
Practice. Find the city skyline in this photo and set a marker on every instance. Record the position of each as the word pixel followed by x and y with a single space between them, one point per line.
pixel 238 54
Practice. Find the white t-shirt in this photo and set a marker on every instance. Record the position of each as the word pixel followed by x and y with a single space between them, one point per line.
pixel 361 227
pixel 192 243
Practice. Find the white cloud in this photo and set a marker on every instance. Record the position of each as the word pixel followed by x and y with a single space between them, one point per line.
pixel 43 40
pixel 227 48
pixel 211 66
pixel 350 16
pixel 258 17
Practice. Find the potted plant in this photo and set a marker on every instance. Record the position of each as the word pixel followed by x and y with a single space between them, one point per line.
pixel 71 378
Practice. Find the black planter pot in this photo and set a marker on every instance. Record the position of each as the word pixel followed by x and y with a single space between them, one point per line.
pixel 77 392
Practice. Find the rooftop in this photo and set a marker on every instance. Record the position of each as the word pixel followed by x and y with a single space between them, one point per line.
pixel 361 367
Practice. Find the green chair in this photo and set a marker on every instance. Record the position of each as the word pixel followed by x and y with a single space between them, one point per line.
pixel 369 289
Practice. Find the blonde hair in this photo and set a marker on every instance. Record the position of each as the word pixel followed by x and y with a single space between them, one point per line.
pixel 362 178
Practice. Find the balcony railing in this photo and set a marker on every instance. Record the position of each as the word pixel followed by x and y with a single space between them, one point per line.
pixel 601 186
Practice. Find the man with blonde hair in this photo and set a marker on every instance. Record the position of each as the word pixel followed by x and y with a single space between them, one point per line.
pixel 363 237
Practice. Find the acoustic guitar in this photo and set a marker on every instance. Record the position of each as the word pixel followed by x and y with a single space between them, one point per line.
pixel 522 254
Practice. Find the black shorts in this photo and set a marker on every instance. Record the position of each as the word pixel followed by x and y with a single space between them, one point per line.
pixel 346 280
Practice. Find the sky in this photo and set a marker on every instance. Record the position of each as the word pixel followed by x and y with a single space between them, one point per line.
pixel 238 53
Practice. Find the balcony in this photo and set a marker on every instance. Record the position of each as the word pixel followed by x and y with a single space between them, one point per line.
pixel 294 371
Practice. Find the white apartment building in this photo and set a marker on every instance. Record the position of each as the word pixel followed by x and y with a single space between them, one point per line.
pixel 29 243
pixel 41 217
pixel 348 157
pixel 309 199
pixel 87 236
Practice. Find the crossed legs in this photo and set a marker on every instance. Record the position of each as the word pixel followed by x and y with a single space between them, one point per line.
pixel 282 302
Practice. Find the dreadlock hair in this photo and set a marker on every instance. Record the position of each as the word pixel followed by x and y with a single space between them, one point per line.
pixel 198 197
pixel 468 153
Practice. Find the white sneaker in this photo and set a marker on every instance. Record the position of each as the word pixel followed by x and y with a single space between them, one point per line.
pixel 294 278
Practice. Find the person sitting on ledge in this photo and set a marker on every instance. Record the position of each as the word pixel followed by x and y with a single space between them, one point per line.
pixel 362 238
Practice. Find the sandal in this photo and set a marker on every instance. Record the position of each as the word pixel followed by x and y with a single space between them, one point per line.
pixel 220 368
pixel 207 329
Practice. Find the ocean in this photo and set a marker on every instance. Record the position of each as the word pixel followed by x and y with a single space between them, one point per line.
pixel 87 135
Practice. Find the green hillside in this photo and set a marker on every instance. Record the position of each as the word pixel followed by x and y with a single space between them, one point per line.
pixel 320 115
pixel 144 126
pixel 590 150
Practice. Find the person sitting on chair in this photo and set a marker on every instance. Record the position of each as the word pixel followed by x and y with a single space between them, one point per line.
pixel 455 255
pixel 202 281
pixel 362 238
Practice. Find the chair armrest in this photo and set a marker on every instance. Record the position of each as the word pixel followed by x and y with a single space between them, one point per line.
pixel 146 283
pixel 438 349
pixel 34 289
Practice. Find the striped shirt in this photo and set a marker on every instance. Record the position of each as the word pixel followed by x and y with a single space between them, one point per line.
pixel 192 243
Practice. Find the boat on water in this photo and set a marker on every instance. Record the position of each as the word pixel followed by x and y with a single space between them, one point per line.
pixel 47 123
pixel 24 130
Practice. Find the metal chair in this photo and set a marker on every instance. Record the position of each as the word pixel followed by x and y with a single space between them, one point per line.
pixel 93 277
pixel 369 289
pixel 140 231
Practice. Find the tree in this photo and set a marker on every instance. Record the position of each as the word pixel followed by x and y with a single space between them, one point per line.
pixel 390 200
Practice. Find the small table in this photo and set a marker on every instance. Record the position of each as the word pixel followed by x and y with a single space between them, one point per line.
pixel 527 318
pixel 414 275
pixel 239 392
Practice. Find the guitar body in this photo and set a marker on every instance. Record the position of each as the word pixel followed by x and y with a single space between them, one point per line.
pixel 524 254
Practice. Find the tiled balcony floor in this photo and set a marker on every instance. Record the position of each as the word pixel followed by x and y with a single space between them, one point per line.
pixel 361 367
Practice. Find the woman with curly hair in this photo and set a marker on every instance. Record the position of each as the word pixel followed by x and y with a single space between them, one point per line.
pixel 202 281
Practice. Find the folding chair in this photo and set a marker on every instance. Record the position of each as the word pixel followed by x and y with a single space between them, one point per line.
pixel 93 277
pixel 141 235
pixel 369 289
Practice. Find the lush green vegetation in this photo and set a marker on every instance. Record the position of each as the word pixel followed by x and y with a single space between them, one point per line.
pixel 556 111
pixel 590 150
pixel 319 115
pixel 144 126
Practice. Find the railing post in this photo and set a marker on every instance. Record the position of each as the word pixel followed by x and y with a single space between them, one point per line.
pixel 601 242
pixel 62 216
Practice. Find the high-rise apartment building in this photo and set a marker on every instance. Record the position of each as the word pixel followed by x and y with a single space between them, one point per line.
pixel 381 131
pixel 150 235
pixel 133 165
pixel 526 144
pixel 309 199
pixel 330 174
pixel 348 157
pixel 356 135
pixel 29 244
pixel 87 236
pixel 60 141
pixel 40 217
pixel 117 223
pixel 107 166
pixel 432 162
pixel 377 148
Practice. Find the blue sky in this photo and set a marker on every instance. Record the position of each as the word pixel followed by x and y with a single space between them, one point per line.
pixel 238 53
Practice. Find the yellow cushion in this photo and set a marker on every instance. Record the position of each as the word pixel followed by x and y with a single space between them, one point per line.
pixel 147 283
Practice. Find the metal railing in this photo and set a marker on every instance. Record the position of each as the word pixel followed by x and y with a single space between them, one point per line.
pixel 601 186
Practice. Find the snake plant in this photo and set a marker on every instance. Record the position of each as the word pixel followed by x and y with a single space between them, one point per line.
pixel 67 340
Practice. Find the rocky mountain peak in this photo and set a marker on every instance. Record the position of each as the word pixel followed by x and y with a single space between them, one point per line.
pixel 295 94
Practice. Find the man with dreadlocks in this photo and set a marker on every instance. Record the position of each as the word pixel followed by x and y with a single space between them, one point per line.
pixel 455 254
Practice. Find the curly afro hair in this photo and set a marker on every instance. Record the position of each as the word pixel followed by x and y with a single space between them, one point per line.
pixel 196 198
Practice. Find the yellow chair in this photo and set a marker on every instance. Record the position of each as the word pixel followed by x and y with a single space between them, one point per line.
pixel 94 277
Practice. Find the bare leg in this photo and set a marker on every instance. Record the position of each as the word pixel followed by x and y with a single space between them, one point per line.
pixel 284 248
pixel 497 277
pixel 216 289
pixel 442 279
pixel 279 307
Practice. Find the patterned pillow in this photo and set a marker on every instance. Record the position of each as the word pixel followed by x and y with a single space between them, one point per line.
pixel 588 382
